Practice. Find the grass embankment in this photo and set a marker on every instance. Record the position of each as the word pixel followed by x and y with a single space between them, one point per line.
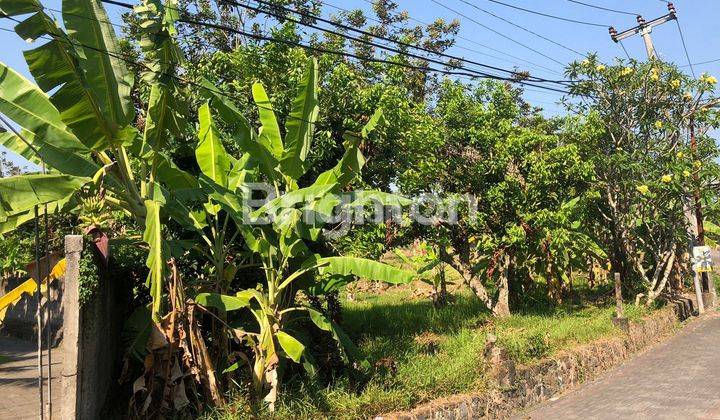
pixel 437 352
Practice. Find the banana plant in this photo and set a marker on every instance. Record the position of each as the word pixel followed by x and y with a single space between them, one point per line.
pixel 294 220
pixel 79 120
pixel 431 270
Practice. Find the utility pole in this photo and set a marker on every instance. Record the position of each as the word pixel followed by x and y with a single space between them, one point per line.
pixel 644 29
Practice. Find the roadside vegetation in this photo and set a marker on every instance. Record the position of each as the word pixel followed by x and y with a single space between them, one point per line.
pixel 427 353
pixel 160 139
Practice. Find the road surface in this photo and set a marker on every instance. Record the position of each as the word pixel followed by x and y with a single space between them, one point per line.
pixel 677 379
pixel 19 398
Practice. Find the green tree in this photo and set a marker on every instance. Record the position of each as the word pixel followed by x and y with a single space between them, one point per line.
pixel 526 184
pixel 632 124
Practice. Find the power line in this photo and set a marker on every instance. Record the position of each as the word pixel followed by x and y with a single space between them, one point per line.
pixel 384 38
pixel 517 65
pixel 701 63
pixel 457 36
pixel 202 86
pixel 535 12
pixel 472 41
pixel 475 21
pixel 324 50
pixel 340 53
pixel 624 49
pixel 687 54
pixel 123 57
pixel 522 28
pixel 295 44
pixel 594 6
pixel 376 60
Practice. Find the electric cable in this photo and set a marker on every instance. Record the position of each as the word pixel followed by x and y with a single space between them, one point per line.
pixel 475 21
pixel 535 12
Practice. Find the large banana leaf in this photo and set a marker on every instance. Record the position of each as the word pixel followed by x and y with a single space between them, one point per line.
pixel 353 160
pixel 224 303
pixel 243 134
pixel 175 178
pixel 268 163
pixel 23 192
pixel 159 117
pixel 368 269
pixel 18 7
pixel 364 198
pixel 348 168
pixel 16 145
pixel 106 73
pixel 60 66
pixel 42 124
pixel 293 198
pixel 30 108
pixel 15 220
pixel 270 135
pixel 349 349
pixel 157 254
pixel 210 153
pixel 300 124
pixel 230 114
pixel 291 346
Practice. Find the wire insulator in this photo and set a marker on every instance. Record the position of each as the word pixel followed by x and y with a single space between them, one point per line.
pixel 613 33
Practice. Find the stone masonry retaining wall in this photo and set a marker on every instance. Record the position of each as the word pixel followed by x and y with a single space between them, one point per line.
pixel 529 385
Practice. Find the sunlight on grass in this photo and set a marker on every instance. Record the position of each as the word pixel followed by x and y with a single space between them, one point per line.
pixel 436 352
pixel 387 326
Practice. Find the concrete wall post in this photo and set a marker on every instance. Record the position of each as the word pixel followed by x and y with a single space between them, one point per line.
pixel 71 328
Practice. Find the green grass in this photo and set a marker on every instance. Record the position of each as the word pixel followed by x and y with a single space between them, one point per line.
pixel 4 359
pixel 385 326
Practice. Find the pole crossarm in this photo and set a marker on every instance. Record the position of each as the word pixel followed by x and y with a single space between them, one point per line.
pixel 642 26
pixel 644 29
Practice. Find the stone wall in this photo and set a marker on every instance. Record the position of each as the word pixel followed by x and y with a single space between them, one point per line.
pixel 524 386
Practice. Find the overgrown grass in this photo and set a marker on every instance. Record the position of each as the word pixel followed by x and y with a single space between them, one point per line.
pixel 395 331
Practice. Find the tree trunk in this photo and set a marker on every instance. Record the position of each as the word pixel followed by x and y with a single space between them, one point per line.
pixel 460 261
pixel 501 308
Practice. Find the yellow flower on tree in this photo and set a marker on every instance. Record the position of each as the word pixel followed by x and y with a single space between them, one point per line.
pixel 697 164
pixel 675 83
pixel 585 62
pixel 680 155
pixel 659 125
pixel 626 71
pixel 686 173
pixel 708 79
pixel 666 179
pixel 654 75
pixel 643 189
pixel 600 67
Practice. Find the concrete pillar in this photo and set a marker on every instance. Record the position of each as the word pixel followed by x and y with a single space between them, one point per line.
pixel 71 328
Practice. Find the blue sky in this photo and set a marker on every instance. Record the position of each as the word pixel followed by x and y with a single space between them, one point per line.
pixel 698 19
